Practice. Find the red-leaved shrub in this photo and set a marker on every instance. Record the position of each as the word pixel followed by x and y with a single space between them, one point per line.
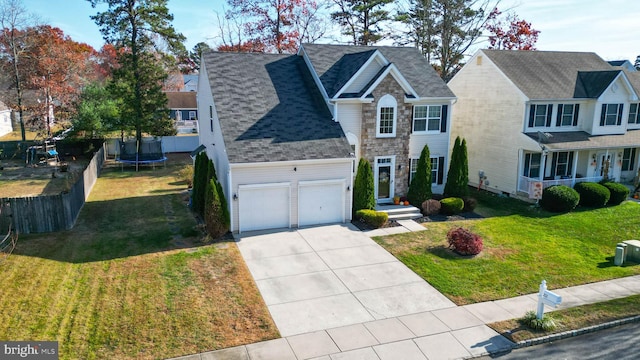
pixel 464 242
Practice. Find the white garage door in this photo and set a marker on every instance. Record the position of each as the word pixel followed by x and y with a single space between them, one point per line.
pixel 264 206
pixel 321 202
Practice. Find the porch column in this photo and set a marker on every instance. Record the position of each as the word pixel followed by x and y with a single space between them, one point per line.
pixel 543 164
pixel 575 167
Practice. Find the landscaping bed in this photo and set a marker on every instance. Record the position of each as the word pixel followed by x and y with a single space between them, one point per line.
pixel 135 278
pixel 522 246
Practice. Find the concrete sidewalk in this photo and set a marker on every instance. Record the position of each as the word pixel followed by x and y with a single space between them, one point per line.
pixel 336 294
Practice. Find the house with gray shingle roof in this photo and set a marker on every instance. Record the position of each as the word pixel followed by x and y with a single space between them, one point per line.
pixel 538 118
pixel 285 132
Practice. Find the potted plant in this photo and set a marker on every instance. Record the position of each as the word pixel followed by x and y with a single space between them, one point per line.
pixel 396 200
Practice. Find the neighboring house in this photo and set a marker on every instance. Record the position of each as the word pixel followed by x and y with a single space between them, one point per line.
pixel 285 131
pixel 184 111
pixel 537 118
pixel 190 82
pixel 5 120
pixel 624 64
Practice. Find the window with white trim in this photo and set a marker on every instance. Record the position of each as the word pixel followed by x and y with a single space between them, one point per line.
pixel 427 118
pixel 611 114
pixel 435 167
pixel 628 159
pixel 540 115
pixel 386 117
pixel 532 165
pixel 192 115
pixel 563 164
pixel 634 114
pixel 567 115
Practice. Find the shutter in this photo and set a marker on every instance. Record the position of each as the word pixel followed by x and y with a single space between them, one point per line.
pixel 532 114
pixel 440 170
pixel 443 121
pixel 413 122
pixel 554 162
pixel 576 111
pixel 570 164
pixel 549 111
pixel 559 115
pixel 603 113
pixel 620 107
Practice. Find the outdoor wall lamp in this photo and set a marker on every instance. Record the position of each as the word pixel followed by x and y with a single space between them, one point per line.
pixel 295 168
pixel 348 188
pixel 399 167
pixel 235 197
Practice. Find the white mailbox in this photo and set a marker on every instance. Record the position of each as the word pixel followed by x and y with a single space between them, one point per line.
pixel 546 297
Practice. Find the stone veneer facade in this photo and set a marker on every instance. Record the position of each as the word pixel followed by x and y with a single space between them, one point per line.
pixel 371 146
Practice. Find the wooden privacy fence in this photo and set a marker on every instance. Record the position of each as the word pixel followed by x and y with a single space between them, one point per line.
pixel 50 213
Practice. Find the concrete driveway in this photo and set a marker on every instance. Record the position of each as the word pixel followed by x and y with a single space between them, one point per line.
pixel 331 276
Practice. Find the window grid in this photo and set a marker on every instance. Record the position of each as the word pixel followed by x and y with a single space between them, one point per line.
pixel 634 117
pixel 413 168
pixel 611 114
pixel 540 118
pixel 628 159
pixel 562 164
pixel 427 118
pixel 532 165
pixel 386 120
pixel 567 115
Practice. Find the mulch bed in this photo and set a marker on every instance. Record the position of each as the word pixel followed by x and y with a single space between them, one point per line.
pixel 441 217
pixel 363 226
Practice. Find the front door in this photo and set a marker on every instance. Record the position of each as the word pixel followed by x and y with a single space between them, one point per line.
pixel 605 165
pixel 384 175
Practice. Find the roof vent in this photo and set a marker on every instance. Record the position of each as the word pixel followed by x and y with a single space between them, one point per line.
pixel 479 60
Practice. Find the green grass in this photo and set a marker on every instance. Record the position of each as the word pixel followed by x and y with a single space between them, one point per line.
pixel 572 319
pixel 522 246
pixel 118 286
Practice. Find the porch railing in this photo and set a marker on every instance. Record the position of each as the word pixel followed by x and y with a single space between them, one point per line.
pixel 524 183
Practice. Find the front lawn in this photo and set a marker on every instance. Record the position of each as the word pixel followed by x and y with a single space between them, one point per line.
pixel 132 279
pixel 522 246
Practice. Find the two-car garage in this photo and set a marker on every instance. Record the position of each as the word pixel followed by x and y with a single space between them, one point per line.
pixel 285 204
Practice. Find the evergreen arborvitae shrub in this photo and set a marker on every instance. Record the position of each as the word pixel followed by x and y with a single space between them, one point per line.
pixel 420 187
pixel 226 217
pixel 451 205
pixel 372 217
pixel 559 198
pixel 464 242
pixel 199 185
pixel 457 184
pixel 213 212
pixel 363 188
pixel 619 192
pixel 592 194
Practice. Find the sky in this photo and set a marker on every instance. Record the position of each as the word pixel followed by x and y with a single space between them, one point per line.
pixel 609 28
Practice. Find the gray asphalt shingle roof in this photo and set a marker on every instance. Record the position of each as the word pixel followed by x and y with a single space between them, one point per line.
pixel 548 74
pixel 336 64
pixel 573 140
pixel 270 109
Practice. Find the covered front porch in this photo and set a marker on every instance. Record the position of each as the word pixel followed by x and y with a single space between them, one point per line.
pixel 539 170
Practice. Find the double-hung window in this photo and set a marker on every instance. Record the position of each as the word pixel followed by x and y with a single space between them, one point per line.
pixel 628 159
pixel 532 165
pixel 611 114
pixel 567 115
pixel 634 114
pixel 540 115
pixel 427 118
pixel 563 163
pixel 437 170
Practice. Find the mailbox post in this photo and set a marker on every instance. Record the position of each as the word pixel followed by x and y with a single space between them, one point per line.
pixel 546 297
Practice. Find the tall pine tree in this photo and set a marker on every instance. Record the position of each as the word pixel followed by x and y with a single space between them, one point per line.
pixel 458 176
pixel 361 20
pixel 363 188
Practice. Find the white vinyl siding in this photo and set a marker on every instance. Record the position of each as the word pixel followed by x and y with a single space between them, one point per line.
pixel 350 118
pixel 364 77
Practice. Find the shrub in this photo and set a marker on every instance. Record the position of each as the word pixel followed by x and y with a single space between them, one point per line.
pixel 559 198
pixel 431 207
pixel 186 174
pixel 372 217
pixel 592 194
pixel 199 183
pixel 451 205
pixel 213 211
pixel 470 204
pixel 464 242
pixel 226 217
pixel 619 193
pixel 420 187
pixel 457 184
pixel 531 320
pixel 363 189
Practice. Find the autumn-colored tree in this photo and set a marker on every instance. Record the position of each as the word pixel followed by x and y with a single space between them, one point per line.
pixel 510 32
pixel 105 61
pixel 361 20
pixel 143 30
pixel 14 42
pixel 267 25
